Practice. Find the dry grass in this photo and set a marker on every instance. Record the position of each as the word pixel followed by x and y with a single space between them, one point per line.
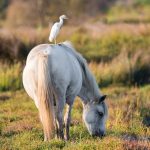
pixel 96 41
pixel 125 69
pixel 20 127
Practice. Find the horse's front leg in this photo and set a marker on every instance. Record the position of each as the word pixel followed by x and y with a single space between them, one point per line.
pixel 59 118
pixel 67 120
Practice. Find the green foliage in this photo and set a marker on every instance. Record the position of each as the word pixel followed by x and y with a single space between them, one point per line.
pixel 133 70
pixel 119 57
pixel 110 45
pixel 142 2
pixel 10 77
pixel 3 4
pixel 128 14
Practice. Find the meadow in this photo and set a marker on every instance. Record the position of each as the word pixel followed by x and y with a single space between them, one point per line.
pixel 128 103
pixel 120 62
pixel 116 45
pixel 127 125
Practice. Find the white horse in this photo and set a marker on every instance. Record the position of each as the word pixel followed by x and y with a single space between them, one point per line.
pixel 53 76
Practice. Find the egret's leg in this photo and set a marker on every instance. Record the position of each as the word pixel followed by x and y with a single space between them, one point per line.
pixel 55 41
pixel 67 120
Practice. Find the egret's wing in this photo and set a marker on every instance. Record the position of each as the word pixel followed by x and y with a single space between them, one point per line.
pixel 54 32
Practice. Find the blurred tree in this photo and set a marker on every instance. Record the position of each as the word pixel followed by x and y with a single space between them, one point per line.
pixel 26 12
pixel 20 13
pixel 40 12
pixel 141 2
pixel 3 4
pixel 77 6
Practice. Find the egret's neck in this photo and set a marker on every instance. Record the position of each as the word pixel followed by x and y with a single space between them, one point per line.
pixel 61 21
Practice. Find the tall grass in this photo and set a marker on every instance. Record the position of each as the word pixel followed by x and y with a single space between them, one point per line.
pixel 124 69
pixel 10 77
pixel 116 57
pixel 110 45
pixel 127 125
pixel 16 44
pixel 136 11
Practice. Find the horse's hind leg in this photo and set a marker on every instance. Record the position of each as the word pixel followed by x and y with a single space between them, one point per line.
pixel 67 120
pixel 59 117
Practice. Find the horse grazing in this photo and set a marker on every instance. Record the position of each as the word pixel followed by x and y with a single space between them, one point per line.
pixel 53 76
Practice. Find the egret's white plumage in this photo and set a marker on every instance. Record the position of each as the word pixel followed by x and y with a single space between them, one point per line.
pixel 56 28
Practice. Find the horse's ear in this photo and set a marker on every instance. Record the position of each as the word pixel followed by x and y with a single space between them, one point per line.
pixel 102 98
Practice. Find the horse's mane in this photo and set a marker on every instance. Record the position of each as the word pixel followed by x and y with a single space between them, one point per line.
pixel 78 56
pixel 88 79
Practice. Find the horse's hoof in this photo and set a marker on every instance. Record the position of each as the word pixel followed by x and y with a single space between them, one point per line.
pixel 66 138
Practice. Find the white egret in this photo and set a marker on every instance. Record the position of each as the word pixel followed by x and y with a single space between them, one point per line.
pixel 56 28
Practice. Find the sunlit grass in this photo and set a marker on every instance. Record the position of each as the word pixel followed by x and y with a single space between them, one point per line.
pixel 128 14
pixel 103 46
pixel 20 127
pixel 10 76
pixel 125 69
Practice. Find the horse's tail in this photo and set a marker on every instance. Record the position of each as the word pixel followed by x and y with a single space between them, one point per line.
pixel 45 95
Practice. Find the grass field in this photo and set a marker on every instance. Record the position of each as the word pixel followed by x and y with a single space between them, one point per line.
pixel 127 125
pixel 119 61
pixel 116 44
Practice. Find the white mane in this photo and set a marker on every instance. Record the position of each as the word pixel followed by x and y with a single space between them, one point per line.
pixel 70 48
pixel 88 79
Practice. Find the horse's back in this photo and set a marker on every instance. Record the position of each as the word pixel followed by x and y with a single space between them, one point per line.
pixel 65 69
pixel 63 64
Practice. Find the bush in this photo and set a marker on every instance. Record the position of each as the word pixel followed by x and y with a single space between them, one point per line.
pixel 16 44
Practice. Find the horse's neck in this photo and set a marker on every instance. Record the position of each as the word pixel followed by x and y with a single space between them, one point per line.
pixel 89 90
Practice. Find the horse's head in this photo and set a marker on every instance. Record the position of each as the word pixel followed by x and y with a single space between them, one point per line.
pixel 95 115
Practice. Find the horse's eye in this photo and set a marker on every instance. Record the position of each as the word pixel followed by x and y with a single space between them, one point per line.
pixel 100 114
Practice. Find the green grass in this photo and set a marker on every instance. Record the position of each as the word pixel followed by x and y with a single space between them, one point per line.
pixel 20 127
pixel 134 14
pixel 116 45
pixel 10 76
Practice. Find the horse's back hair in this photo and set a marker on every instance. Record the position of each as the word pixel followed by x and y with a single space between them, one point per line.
pixel 88 78
pixel 70 48
pixel 68 44
pixel 82 62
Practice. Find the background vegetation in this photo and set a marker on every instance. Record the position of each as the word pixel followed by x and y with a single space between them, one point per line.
pixel 114 37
